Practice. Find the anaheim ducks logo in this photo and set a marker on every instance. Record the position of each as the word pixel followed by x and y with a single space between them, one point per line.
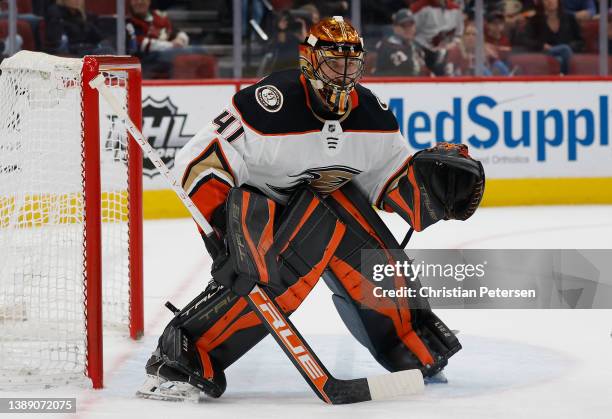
pixel 269 98
pixel 323 180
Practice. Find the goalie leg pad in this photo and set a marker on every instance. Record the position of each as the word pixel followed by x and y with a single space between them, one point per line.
pixel 401 333
pixel 275 246
pixel 305 236
pixel 177 359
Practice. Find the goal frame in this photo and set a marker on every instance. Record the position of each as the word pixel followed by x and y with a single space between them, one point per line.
pixel 90 114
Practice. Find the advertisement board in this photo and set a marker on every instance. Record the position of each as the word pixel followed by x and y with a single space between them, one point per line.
pixel 517 129
pixel 172 114
pixel 541 141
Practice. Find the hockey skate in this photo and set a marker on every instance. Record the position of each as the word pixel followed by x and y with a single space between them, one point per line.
pixel 165 382
pixel 157 388
pixel 174 371
pixel 439 377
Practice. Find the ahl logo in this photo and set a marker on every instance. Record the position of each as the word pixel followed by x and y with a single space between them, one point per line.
pixel 163 127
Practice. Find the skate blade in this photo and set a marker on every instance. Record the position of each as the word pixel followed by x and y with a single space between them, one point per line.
pixel 438 378
pixel 156 388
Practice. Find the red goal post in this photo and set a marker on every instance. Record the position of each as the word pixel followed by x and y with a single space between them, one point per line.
pixel 70 216
pixel 92 66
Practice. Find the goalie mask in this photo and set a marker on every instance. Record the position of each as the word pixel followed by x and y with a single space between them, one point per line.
pixel 332 60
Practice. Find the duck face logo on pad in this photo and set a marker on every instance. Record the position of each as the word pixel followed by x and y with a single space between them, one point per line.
pixel 269 98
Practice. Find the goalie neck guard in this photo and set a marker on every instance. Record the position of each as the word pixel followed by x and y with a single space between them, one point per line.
pixel 332 60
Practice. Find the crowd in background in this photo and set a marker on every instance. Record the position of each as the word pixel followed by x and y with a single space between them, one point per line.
pixel 439 37
pixel 403 37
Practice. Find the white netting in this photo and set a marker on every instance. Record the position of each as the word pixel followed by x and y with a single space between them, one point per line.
pixel 42 282
pixel 115 233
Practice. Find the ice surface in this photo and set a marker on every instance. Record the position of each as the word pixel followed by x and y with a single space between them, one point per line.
pixel 515 363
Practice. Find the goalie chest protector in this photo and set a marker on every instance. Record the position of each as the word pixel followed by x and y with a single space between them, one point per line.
pixel 285 145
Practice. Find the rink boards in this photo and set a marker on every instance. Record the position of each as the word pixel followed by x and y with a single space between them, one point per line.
pixel 541 140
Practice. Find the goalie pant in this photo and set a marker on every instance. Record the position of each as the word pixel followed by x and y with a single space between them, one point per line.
pixel 313 237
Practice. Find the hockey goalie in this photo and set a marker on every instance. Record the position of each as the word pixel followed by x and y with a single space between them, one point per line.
pixel 288 175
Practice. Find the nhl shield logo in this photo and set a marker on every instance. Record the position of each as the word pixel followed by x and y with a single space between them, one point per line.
pixel 269 98
pixel 163 127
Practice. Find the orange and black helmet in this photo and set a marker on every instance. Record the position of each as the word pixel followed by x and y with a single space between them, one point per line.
pixel 332 59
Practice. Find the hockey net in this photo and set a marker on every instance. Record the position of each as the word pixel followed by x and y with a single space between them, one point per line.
pixel 70 216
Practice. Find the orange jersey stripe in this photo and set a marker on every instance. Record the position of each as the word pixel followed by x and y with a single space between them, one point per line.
pixel 389 181
pixel 209 196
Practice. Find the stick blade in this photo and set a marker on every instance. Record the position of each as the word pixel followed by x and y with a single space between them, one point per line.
pixel 401 383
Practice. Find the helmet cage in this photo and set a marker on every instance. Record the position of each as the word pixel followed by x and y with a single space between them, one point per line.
pixel 332 59
pixel 338 67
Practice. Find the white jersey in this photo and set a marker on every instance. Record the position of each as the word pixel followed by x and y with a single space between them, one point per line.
pixel 270 138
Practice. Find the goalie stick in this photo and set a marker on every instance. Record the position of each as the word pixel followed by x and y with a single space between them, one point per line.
pixel 328 388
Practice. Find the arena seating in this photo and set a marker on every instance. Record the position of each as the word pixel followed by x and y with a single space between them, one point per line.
pixel 535 64
pixel 194 66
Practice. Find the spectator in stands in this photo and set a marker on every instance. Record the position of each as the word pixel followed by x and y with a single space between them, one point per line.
pixel 327 7
pixel 252 9
pixel 516 13
pixel 439 26
pixel 378 11
pixel 461 57
pixel 39 7
pixel 152 29
pixel 307 15
pixel 312 14
pixel 497 43
pixel 154 39
pixel 398 54
pixel 70 30
pixel 554 32
pixel 581 9
pixel 292 29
